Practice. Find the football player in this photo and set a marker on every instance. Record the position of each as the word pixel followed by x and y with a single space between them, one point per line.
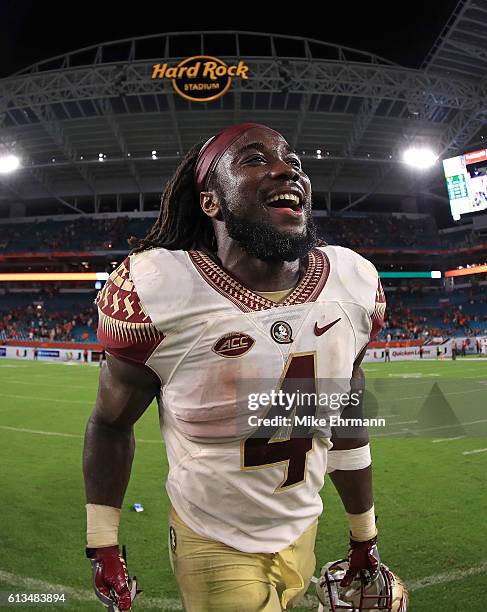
pixel 229 294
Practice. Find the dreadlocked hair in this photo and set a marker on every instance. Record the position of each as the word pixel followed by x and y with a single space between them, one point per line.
pixel 181 223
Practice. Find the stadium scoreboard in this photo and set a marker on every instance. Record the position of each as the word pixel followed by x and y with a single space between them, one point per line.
pixel 466 181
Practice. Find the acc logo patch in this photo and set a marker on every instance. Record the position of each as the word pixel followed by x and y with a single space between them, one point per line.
pixel 233 344
pixel 282 332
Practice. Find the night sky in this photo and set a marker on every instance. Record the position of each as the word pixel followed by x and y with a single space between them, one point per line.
pixel 31 30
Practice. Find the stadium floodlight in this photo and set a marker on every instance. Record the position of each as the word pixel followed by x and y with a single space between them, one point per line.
pixel 8 163
pixel 421 158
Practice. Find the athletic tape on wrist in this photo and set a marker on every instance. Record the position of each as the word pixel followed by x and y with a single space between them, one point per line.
pixel 362 526
pixel 101 525
pixel 350 459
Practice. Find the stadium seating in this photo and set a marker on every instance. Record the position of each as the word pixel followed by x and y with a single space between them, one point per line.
pixel 84 234
pixel 414 310
pixel 110 234
pixel 419 315
pixel 411 314
pixel 64 317
pixel 379 231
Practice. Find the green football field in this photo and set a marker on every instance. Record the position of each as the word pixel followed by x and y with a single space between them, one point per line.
pixel 430 475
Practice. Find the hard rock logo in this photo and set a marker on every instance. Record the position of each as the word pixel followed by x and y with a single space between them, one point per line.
pixel 201 78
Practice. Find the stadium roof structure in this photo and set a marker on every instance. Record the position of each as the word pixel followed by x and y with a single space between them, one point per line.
pixel 357 109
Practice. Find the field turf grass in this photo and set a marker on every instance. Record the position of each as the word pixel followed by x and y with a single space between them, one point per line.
pixel 431 498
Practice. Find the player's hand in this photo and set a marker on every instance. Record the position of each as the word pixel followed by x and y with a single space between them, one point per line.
pixel 363 561
pixel 110 578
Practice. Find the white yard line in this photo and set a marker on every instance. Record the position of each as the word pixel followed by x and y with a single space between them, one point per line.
pixel 61 434
pixel 448 439
pixel 404 422
pixel 310 601
pixel 475 452
pixel 469 370
pixel 442 393
pixel 418 431
pixel 33 584
pixel 42 433
pixel 412 375
pixel 399 399
pixel 55 376
pixel 46 399
pixel 471 359
pixel 408 379
pixel 460 574
pixel 46 384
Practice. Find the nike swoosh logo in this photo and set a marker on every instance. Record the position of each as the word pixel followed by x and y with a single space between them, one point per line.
pixel 321 330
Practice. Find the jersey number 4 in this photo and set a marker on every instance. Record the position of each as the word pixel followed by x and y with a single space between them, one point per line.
pixel 286 444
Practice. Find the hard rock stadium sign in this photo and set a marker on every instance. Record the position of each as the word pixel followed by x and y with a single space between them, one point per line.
pixel 201 78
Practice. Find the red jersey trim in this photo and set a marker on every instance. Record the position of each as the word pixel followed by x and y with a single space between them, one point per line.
pixel 246 300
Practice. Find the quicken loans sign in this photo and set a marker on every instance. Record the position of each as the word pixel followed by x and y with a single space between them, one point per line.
pixel 201 78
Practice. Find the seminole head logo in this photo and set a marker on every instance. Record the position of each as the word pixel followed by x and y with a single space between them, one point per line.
pixel 201 78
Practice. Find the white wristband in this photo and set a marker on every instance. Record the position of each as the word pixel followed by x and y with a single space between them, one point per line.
pixel 102 525
pixel 351 459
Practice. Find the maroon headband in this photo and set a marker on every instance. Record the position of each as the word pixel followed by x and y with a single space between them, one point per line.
pixel 212 151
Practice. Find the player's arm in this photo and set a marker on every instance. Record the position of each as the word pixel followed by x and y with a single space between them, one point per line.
pixel 351 449
pixel 125 391
pixel 350 466
pixel 350 469
pixel 349 462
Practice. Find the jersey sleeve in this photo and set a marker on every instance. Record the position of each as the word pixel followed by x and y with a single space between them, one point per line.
pixel 370 293
pixel 379 311
pixel 124 328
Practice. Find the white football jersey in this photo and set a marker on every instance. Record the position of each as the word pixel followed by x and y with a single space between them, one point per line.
pixel 213 342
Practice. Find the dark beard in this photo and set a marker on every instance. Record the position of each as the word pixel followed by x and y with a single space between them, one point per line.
pixel 262 241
